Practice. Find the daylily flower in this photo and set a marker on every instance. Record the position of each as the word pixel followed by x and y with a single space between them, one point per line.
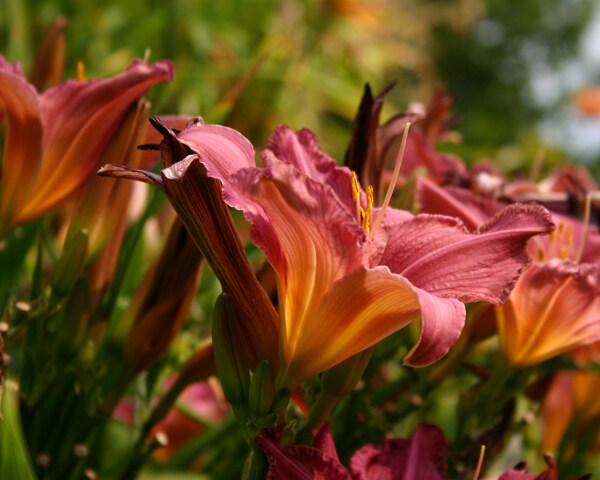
pixel 344 283
pixel 554 308
pixel 100 208
pixel 555 305
pixel 422 457
pixel 54 139
pixel 342 279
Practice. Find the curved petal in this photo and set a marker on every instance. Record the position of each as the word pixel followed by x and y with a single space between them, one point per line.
pixel 439 255
pixel 198 199
pixel 308 237
pixel 557 410
pixel 298 462
pixel 442 320
pixel 454 202
pixel 222 150
pixel 301 149
pixel 554 308
pixel 422 457
pixel 363 308
pixel 79 119
pixel 23 141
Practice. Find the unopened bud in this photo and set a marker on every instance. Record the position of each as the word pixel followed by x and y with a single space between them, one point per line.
pixel 262 389
pixel 232 367
pixel 71 264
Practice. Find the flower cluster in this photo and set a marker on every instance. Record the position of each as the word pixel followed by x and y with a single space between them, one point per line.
pixel 401 294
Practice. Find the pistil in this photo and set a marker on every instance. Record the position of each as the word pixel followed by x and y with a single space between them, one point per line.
pixel 392 185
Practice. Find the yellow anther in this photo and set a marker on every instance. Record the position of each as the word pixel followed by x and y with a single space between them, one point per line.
pixel 569 235
pixel 541 255
pixel 564 252
pixel 561 227
pixel 363 217
pixel 356 196
pixel 81 71
pixel 366 221
pixel 355 188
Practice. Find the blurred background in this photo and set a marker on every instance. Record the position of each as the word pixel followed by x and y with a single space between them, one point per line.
pixel 519 72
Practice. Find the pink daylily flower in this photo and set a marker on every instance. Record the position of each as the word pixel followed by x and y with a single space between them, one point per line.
pixel 343 288
pixel 54 139
pixel 422 457
pixel 555 306
pixel 341 291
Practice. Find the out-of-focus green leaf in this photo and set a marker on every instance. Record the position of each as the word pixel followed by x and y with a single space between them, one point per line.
pixel 15 248
pixel 14 457
pixel 172 476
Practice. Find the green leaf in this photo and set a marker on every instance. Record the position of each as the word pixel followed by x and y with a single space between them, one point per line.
pixel 14 456
pixel 12 255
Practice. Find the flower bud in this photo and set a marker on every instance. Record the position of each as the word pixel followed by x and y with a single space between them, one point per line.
pixel 49 63
pixel 71 264
pixel 262 389
pixel 232 366
pixel 162 301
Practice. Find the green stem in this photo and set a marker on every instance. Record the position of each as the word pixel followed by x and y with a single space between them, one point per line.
pixel 320 410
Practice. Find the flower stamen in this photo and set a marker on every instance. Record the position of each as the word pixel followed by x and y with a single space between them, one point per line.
pixel 392 186
pixel 586 222
pixel 81 71
pixel 366 219
pixel 479 463
pixel 356 196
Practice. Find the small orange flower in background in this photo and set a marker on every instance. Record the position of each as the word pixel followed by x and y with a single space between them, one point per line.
pixel 572 399
pixel 587 101
pixel 55 139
